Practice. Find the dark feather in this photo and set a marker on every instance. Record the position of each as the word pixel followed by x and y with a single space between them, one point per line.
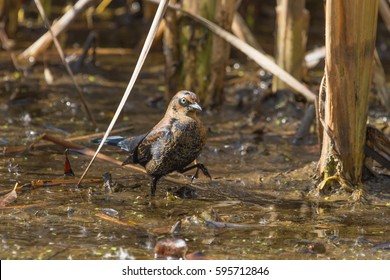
pixel 127 144
pixel 130 144
pixel 111 140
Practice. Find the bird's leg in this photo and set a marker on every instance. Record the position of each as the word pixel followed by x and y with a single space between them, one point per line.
pixel 201 167
pixel 153 185
pixel 197 166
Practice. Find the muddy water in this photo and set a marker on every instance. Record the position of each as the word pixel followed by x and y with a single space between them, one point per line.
pixel 258 205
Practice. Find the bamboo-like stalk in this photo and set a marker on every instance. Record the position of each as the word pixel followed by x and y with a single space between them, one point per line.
pixel 220 53
pixel 203 56
pixel 292 26
pixel 171 52
pixel 350 43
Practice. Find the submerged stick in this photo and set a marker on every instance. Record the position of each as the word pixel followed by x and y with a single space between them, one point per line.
pixel 148 42
pixel 46 183
pixel 26 206
pixel 85 151
pixel 215 224
pixel 64 62
pixel 117 221
pixel 304 127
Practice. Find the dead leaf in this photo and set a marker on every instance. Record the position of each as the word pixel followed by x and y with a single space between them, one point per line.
pixel 67 168
pixel 9 197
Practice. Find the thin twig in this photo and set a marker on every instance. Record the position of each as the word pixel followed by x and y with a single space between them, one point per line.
pixel 148 42
pixel 64 62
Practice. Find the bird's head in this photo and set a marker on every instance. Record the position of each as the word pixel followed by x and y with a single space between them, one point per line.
pixel 184 102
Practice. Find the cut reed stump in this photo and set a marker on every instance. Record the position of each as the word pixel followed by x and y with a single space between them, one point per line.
pixel 350 42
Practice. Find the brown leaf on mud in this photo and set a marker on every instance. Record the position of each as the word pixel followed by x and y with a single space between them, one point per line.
pixel 9 197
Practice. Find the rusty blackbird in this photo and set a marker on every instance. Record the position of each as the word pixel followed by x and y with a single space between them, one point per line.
pixel 172 144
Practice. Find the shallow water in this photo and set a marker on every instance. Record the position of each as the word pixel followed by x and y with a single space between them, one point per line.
pixel 258 205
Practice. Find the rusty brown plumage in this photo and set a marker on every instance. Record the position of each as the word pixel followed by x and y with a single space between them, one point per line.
pixel 172 144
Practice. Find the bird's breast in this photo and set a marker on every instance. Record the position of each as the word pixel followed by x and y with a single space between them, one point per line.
pixel 185 145
pixel 189 135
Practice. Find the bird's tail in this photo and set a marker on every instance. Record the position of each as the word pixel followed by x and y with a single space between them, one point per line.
pixel 111 140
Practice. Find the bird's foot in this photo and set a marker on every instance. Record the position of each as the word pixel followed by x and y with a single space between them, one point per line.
pixel 204 171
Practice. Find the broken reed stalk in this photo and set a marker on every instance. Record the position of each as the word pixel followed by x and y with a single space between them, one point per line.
pixel 64 62
pixel 148 42
pixel 350 43
pixel 39 46
pixel 261 59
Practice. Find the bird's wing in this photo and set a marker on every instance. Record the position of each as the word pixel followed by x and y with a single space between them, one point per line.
pixel 111 140
pixel 152 145
pixel 130 144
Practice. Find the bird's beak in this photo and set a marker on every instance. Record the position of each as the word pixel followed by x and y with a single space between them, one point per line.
pixel 195 106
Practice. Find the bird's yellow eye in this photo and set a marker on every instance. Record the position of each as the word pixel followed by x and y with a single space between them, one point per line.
pixel 183 101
